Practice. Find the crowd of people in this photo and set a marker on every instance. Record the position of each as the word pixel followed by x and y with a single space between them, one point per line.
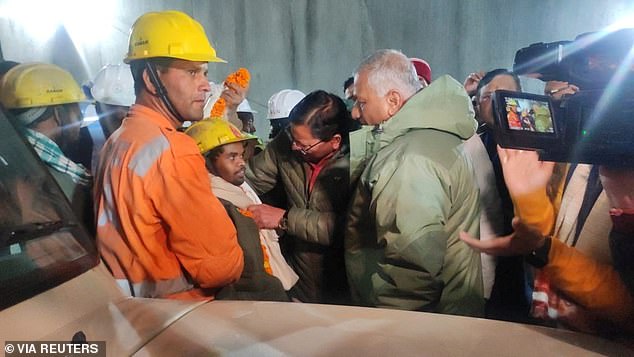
pixel 394 195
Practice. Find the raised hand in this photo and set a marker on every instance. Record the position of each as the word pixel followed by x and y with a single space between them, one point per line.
pixel 523 172
pixel 471 82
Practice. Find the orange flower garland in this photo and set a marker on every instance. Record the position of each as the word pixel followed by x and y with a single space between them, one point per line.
pixel 267 261
pixel 219 108
pixel 240 77
pixel 245 212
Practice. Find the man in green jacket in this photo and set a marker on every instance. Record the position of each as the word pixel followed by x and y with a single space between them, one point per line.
pixel 415 193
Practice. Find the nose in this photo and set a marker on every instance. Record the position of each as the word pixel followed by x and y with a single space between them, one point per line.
pixel 206 87
pixel 355 113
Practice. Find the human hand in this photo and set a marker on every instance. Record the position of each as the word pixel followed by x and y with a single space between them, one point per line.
pixel 471 82
pixel 522 241
pixel 234 94
pixel 523 172
pixel 575 317
pixel 618 184
pixel 265 216
pixel 557 89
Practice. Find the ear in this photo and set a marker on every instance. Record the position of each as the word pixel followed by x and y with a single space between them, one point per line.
pixel 209 164
pixel 335 141
pixel 394 100
pixel 149 86
pixel 58 116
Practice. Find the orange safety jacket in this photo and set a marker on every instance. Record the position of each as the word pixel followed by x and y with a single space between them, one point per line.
pixel 160 229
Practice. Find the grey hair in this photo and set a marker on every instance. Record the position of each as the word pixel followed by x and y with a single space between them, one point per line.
pixel 390 69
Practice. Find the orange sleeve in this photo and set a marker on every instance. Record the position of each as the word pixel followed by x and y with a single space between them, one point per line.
pixel 201 233
pixel 536 209
pixel 592 285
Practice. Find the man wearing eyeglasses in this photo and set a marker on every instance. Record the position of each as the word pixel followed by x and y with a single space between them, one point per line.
pixel 311 163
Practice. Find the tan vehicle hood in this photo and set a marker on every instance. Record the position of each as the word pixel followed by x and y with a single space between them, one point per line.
pixel 296 329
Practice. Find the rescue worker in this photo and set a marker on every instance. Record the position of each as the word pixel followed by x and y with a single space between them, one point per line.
pixel 113 94
pixel 44 101
pixel 113 91
pixel 245 114
pixel 279 107
pixel 161 231
pixel 224 149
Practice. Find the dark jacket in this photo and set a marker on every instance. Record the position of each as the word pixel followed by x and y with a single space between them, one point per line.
pixel 254 283
pixel 313 243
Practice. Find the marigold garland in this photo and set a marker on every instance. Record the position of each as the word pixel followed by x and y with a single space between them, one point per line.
pixel 219 108
pixel 245 212
pixel 240 77
pixel 265 253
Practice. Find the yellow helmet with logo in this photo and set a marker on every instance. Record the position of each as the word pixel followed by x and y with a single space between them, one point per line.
pixel 211 133
pixel 31 85
pixel 171 34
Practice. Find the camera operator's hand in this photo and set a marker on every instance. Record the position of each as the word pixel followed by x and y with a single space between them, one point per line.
pixel 522 241
pixel 558 89
pixel 523 172
pixel 618 184
pixel 471 82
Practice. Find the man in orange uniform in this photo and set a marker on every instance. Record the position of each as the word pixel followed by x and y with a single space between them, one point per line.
pixel 161 231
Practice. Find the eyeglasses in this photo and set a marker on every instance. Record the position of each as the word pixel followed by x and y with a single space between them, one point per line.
pixel 485 97
pixel 303 149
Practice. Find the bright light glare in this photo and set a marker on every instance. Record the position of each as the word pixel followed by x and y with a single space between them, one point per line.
pixel 85 20
pixel 625 20
pixel 39 19
pixel 90 21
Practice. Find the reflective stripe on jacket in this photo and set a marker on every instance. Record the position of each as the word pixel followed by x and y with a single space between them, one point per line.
pixel 157 217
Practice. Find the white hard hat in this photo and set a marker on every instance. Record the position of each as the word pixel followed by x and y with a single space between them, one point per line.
pixel 245 107
pixel 282 102
pixel 114 85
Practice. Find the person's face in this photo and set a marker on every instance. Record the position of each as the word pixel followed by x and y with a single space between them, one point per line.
pixel 111 116
pixel 369 108
pixel 277 126
pixel 230 164
pixel 187 87
pixel 483 100
pixel 349 97
pixel 247 122
pixel 310 148
pixel 349 92
pixel 69 119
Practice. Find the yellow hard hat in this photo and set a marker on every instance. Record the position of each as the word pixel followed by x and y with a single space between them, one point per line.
pixel 211 133
pixel 171 34
pixel 31 85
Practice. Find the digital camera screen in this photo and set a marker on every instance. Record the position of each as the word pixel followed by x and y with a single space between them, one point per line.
pixel 531 115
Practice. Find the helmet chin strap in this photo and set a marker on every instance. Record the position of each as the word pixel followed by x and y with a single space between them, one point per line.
pixel 161 92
